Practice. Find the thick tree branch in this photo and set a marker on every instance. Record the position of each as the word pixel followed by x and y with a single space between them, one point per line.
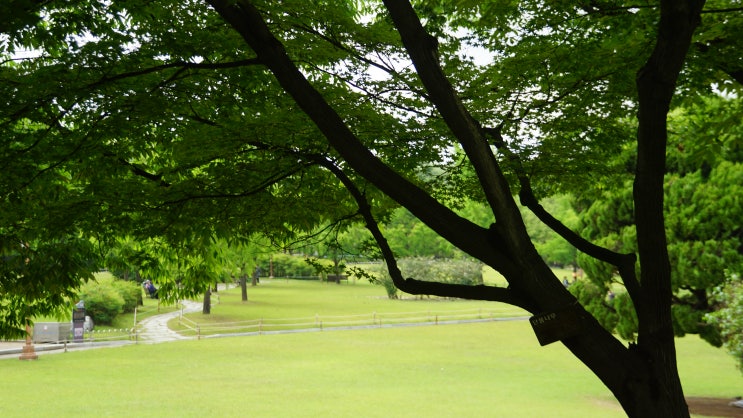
pixel 423 50
pixel 412 286
pixel 471 238
pixel 625 263
pixel 534 277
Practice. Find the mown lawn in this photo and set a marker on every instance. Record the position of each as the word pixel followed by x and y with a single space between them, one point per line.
pixel 493 369
pixel 286 299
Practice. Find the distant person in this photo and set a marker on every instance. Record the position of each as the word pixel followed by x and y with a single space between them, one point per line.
pixel 151 289
pixel 257 275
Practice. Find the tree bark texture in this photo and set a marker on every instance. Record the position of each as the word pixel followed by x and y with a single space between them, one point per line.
pixel 206 308
pixel 244 287
pixel 656 83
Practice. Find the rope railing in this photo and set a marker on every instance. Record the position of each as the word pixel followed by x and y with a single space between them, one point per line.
pixel 263 325
pixel 189 328
pixel 192 327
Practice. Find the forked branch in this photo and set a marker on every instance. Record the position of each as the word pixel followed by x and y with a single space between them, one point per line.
pixel 410 285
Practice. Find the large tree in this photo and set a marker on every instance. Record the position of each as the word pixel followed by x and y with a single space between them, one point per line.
pixel 185 120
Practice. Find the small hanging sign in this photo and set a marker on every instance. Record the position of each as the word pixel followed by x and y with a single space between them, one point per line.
pixel 555 326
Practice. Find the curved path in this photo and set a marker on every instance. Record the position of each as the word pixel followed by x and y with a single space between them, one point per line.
pixel 155 328
pixel 151 330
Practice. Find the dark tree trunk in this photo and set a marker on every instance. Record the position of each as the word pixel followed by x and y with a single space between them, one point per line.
pixel 243 283
pixel 656 83
pixel 207 306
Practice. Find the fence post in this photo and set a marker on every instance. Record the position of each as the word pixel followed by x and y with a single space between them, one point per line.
pixel 198 332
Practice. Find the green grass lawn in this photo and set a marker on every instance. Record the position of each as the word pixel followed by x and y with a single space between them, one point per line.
pixel 286 299
pixel 492 369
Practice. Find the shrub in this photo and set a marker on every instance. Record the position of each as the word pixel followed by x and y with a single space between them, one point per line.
pixel 729 317
pixel 454 271
pixel 285 265
pixel 130 291
pixel 107 297
pixel 102 301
